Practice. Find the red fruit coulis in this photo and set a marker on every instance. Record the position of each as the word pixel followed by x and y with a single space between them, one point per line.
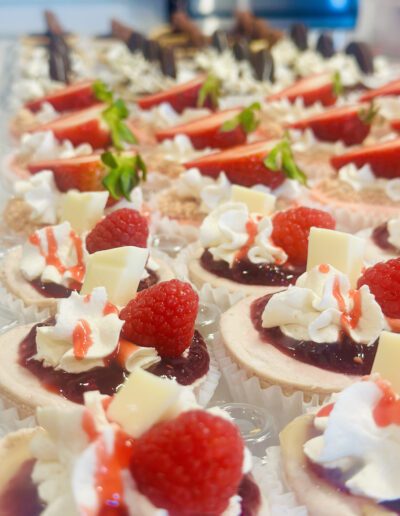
pixel 54 290
pixel 380 237
pixel 345 356
pixel 185 369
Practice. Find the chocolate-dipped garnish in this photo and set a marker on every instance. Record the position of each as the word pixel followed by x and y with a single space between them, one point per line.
pixel 58 67
pixel 299 35
pixel 325 46
pixel 263 65
pixel 52 23
pixel 120 30
pixel 241 50
pixel 219 40
pixel 135 42
pixel 151 50
pixel 362 54
pixel 181 22
pixel 168 62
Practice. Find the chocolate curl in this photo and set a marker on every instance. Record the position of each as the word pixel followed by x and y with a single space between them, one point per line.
pixel 181 22
pixel 52 23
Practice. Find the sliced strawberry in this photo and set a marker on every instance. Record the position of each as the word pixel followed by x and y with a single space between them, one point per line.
pixel 73 97
pixel 83 173
pixel 180 96
pixel 316 88
pixel 206 131
pixel 384 159
pixel 243 165
pixel 395 125
pixel 348 124
pixel 85 126
pixel 392 88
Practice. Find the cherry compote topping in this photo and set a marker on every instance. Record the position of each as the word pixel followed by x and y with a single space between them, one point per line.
pixel 380 237
pixel 250 494
pixel 49 289
pixel 186 369
pixel 345 356
pixel 244 271
pixel 20 496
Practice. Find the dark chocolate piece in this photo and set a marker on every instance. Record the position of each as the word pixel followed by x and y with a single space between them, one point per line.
pixel 299 35
pixel 362 54
pixel 58 69
pixel 241 50
pixel 263 65
pixel 168 62
pixel 120 31
pixel 325 45
pixel 135 42
pixel 219 40
pixel 52 23
pixel 182 23
pixel 151 50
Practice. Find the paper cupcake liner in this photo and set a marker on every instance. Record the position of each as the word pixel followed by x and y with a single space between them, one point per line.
pixel 269 477
pixel 169 228
pixel 247 389
pixel 11 422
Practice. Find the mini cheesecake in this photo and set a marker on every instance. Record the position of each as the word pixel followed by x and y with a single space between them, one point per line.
pixel 379 247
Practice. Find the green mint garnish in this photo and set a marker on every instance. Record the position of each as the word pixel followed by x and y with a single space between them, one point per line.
pixel 125 172
pixel 211 90
pixel 338 88
pixel 102 92
pixel 114 116
pixel 281 158
pixel 248 119
pixel 367 115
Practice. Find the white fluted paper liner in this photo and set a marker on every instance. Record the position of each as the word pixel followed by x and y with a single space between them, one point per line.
pixel 205 391
pixel 162 225
pixel 247 389
pixel 24 314
pixel 183 258
pixel 10 421
pixel 269 476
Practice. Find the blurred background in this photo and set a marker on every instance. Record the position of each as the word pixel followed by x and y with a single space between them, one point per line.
pixel 375 21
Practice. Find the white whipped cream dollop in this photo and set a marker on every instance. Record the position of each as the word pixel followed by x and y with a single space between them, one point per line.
pixel 211 192
pixel 44 146
pixel 41 194
pixel 363 178
pixel 225 232
pixel 321 305
pixel 46 113
pixel 393 227
pixel 367 453
pixel 304 141
pixel 135 201
pixel 283 110
pixel 180 149
pixel 54 254
pixel 86 331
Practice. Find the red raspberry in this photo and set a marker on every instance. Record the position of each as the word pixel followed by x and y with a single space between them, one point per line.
pixel 118 229
pixel 383 280
pixel 190 465
pixel 163 317
pixel 292 228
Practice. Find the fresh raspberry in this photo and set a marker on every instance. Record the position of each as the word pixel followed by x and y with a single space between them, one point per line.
pixel 189 465
pixel 118 229
pixel 383 280
pixel 291 229
pixel 163 317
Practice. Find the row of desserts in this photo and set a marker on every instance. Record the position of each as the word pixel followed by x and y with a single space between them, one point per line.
pixel 241 207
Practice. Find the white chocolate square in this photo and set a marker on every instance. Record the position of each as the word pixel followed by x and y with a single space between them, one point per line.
pixel 257 202
pixel 387 359
pixel 83 209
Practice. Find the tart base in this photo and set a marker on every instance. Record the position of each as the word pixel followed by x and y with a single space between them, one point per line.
pixel 273 367
pixel 319 497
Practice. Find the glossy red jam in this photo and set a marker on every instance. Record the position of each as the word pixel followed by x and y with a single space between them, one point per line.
pixel 248 273
pixel 20 497
pixel 186 369
pixel 344 356
pixel 54 290
pixel 380 237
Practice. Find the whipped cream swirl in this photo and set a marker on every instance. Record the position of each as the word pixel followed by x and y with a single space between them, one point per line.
pixel 230 231
pixel 393 227
pixel 355 441
pixel 321 305
pixel 363 178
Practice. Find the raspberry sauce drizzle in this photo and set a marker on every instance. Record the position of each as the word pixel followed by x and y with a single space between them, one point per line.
pixel 251 228
pixel 345 356
pixel 349 319
pixel 82 339
pixel 387 411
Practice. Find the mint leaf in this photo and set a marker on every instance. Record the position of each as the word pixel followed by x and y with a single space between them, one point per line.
pixel 281 158
pixel 124 174
pixel 211 90
pixel 248 119
pixel 367 115
pixel 337 84
pixel 113 116
pixel 101 92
